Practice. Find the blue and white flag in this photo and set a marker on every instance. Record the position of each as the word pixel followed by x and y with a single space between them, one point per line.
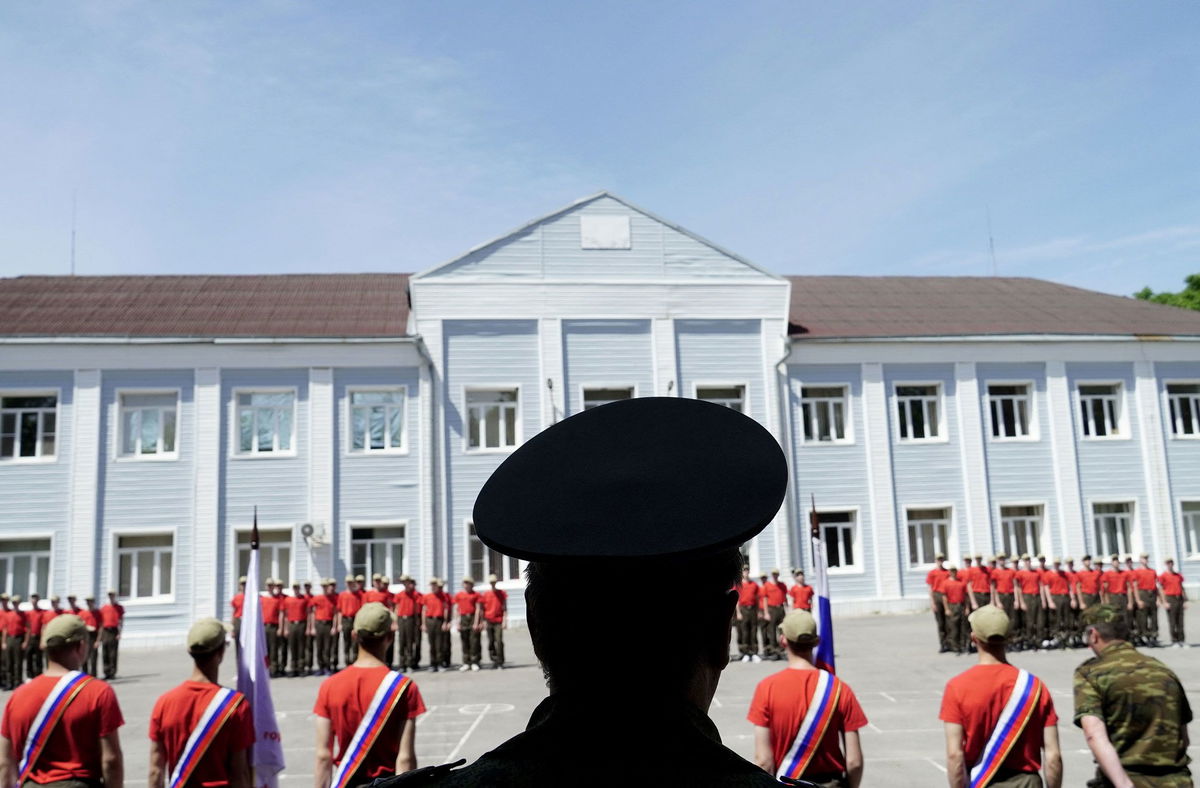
pixel 823 655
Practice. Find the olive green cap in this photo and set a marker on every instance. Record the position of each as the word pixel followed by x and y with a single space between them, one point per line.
pixel 470 580
pixel 328 581
pixel 940 557
pixel 493 579
pixel 1041 556
pixel 1024 556
pixel 16 598
pixel 373 619
pixel 1102 614
pixel 349 578
pixel 775 571
pixel 376 576
pixel 1167 560
pixel 3 597
pixel 989 623
pixel 951 568
pixel 359 578
pixel 966 558
pixel 799 626
pixel 405 579
pixel 62 630
pixel 1001 557
pixel 1068 560
pixel 242 579
pixel 89 598
pixel 1145 555
pixel 54 599
pixel 206 636
pixel 978 556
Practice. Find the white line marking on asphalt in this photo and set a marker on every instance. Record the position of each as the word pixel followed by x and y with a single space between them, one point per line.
pixel 874 727
pixel 936 765
pixel 889 697
pixel 483 711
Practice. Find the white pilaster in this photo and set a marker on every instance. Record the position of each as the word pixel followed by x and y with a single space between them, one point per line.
pixel 552 383
pixel 425 431
pixel 885 535
pixel 1154 464
pixel 1065 459
pixel 82 537
pixel 666 367
pixel 321 415
pixel 773 340
pixel 207 598
pixel 974 460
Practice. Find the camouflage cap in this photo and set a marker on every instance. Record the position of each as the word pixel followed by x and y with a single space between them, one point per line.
pixel 799 626
pixel 1102 614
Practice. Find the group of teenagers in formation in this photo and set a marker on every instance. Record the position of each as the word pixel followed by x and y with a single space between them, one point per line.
pixel 303 628
pixel 22 655
pixel 650 499
pixel 1046 602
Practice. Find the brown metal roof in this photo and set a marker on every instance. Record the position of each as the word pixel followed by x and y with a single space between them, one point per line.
pixel 285 305
pixel 936 306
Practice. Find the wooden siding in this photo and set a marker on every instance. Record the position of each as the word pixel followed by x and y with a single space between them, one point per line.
pixel 606 354
pixel 1183 462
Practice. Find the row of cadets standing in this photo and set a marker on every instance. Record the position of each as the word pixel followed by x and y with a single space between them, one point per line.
pixel 21 652
pixel 761 608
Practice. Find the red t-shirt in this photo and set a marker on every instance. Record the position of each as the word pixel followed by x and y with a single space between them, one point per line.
pixel 981 579
pixel 271 606
pixel 50 615
pixel 466 602
pixel 237 603
pixel 407 603
pixel 174 718
pixel 1172 583
pixel 775 592
pixel 1146 578
pixel 343 699
pixel 955 591
pixel 1004 580
pixel 1115 582
pixel 13 622
pixel 1030 581
pixel 975 700
pixel 434 605
pixel 295 608
pixel 495 602
pixel 72 751
pixel 91 618
pixel 323 606
pixel 780 703
pixel 802 596
pixel 349 603
pixel 33 621
pixel 935 578
pixel 375 595
pixel 1057 583
pixel 1088 581
pixel 111 615
pixel 748 594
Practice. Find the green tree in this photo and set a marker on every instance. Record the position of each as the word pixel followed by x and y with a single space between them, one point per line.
pixel 1188 297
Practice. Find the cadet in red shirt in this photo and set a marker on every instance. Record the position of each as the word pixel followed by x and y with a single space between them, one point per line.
pixel 467 603
pixel 1002 579
pixel 112 621
pixel 272 616
pixel 1116 589
pixel 954 596
pixel 84 744
pixel 33 644
pixel 15 637
pixel 1028 585
pixel 781 702
pixel 349 603
pixel 436 622
pixel 937 601
pixel 973 706
pixel 1174 599
pixel 295 609
pixel 775 596
pixel 178 713
pixel 407 605
pixel 495 617
pixel 343 700
pixel 979 587
pixel 800 592
pixel 747 615
pixel 1059 601
pixel 238 604
pixel 324 610
pixel 91 619
pixel 1087 584
pixel 1145 596
pixel 379 592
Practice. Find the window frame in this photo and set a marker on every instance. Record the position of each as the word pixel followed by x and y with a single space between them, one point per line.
pixel 38 391
pixel 235 451
pixel 119 421
pixel 1031 397
pixel 1124 431
pixel 27 536
pixel 943 433
pixel 860 565
pixel 348 449
pixel 951 540
pixel 406 551
pixel 1043 534
pixel 1191 550
pixel 1135 536
pixel 114 564
pixel 584 387
pixel 847 416
pixel 505 582
pixel 709 384
pixel 1166 405
pixel 518 427
pixel 266 528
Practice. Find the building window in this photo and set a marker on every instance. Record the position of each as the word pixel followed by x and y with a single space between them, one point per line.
pixel 1011 407
pixel 917 409
pixel 1100 409
pixel 265 421
pixel 492 419
pixel 377 421
pixel 1113 523
pixel 1184 402
pixel 824 412
pixel 148 424
pixel 28 426
pixel 837 531
pixel 1021 530
pixel 484 561
pixel 378 550
pixel 25 566
pixel 144 565
pixel 1191 526
pixel 274 554
pixel 594 398
pixel 730 396
pixel 928 535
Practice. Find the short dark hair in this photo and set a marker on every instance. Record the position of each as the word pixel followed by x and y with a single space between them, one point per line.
pixel 574 646
pixel 1117 629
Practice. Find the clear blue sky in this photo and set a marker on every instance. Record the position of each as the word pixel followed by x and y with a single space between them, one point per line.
pixel 811 137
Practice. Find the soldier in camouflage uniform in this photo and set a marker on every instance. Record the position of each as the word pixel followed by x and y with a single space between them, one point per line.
pixel 1132 709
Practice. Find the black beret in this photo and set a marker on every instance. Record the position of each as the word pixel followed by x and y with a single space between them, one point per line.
pixel 653 477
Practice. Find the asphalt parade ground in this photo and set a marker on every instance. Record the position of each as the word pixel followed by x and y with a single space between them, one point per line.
pixel 889 661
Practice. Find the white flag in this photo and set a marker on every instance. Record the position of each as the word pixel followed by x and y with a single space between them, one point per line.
pixel 254 680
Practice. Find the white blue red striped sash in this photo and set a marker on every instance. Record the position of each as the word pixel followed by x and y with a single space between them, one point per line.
pixel 812 729
pixel 224 702
pixel 390 690
pixel 47 718
pixel 1016 715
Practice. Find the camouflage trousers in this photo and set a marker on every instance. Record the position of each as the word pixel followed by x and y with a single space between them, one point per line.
pixel 1145 618
pixel 939 616
pixel 956 627
pixel 770 630
pixel 747 630
pixel 1180 779
pixel 1175 617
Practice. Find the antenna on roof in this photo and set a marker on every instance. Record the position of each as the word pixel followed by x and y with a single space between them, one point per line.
pixel 991 240
pixel 73 194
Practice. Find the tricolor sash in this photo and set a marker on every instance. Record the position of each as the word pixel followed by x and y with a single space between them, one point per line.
pixel 47 718
pixel 1017 712
pixel 224 702
pixel 812 729
pixel 390 690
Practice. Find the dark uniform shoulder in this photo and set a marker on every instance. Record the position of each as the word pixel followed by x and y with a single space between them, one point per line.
pixel 429 775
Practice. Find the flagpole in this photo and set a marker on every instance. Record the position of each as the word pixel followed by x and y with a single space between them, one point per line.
pixel 254 681
pixel 823 656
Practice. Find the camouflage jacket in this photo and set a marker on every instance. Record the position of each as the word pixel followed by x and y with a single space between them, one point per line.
pixel 1140 701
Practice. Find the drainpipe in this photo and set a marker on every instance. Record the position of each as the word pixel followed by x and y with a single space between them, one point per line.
pixel 785 406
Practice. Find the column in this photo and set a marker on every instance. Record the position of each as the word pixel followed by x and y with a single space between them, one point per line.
pixel 775 347
pixel 82 536
pixel 420 535
pixel 1154 463
pixel 974 459
pixel 666 366
pixel 210 587
pixel 321 414
pixel 878 443
pixel 1071 518
pixel 551 380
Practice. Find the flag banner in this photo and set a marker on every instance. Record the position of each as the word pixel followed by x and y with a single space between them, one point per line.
pixel 823 655
pixel 254 680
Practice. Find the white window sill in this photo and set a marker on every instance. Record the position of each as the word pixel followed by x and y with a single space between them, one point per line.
pixel 174 457
pixel 1016 439
pixel 147 601
pixel 353 455
pixel 264 455
pixel 28 460
pixel 497 450
pixel 1185 437
pixel 843 571
pixel 1104 438
pixel 920 441
pixel 821 444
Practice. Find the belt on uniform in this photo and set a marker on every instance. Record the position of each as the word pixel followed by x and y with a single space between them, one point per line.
pixel 1004 774
pixel 1155 771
